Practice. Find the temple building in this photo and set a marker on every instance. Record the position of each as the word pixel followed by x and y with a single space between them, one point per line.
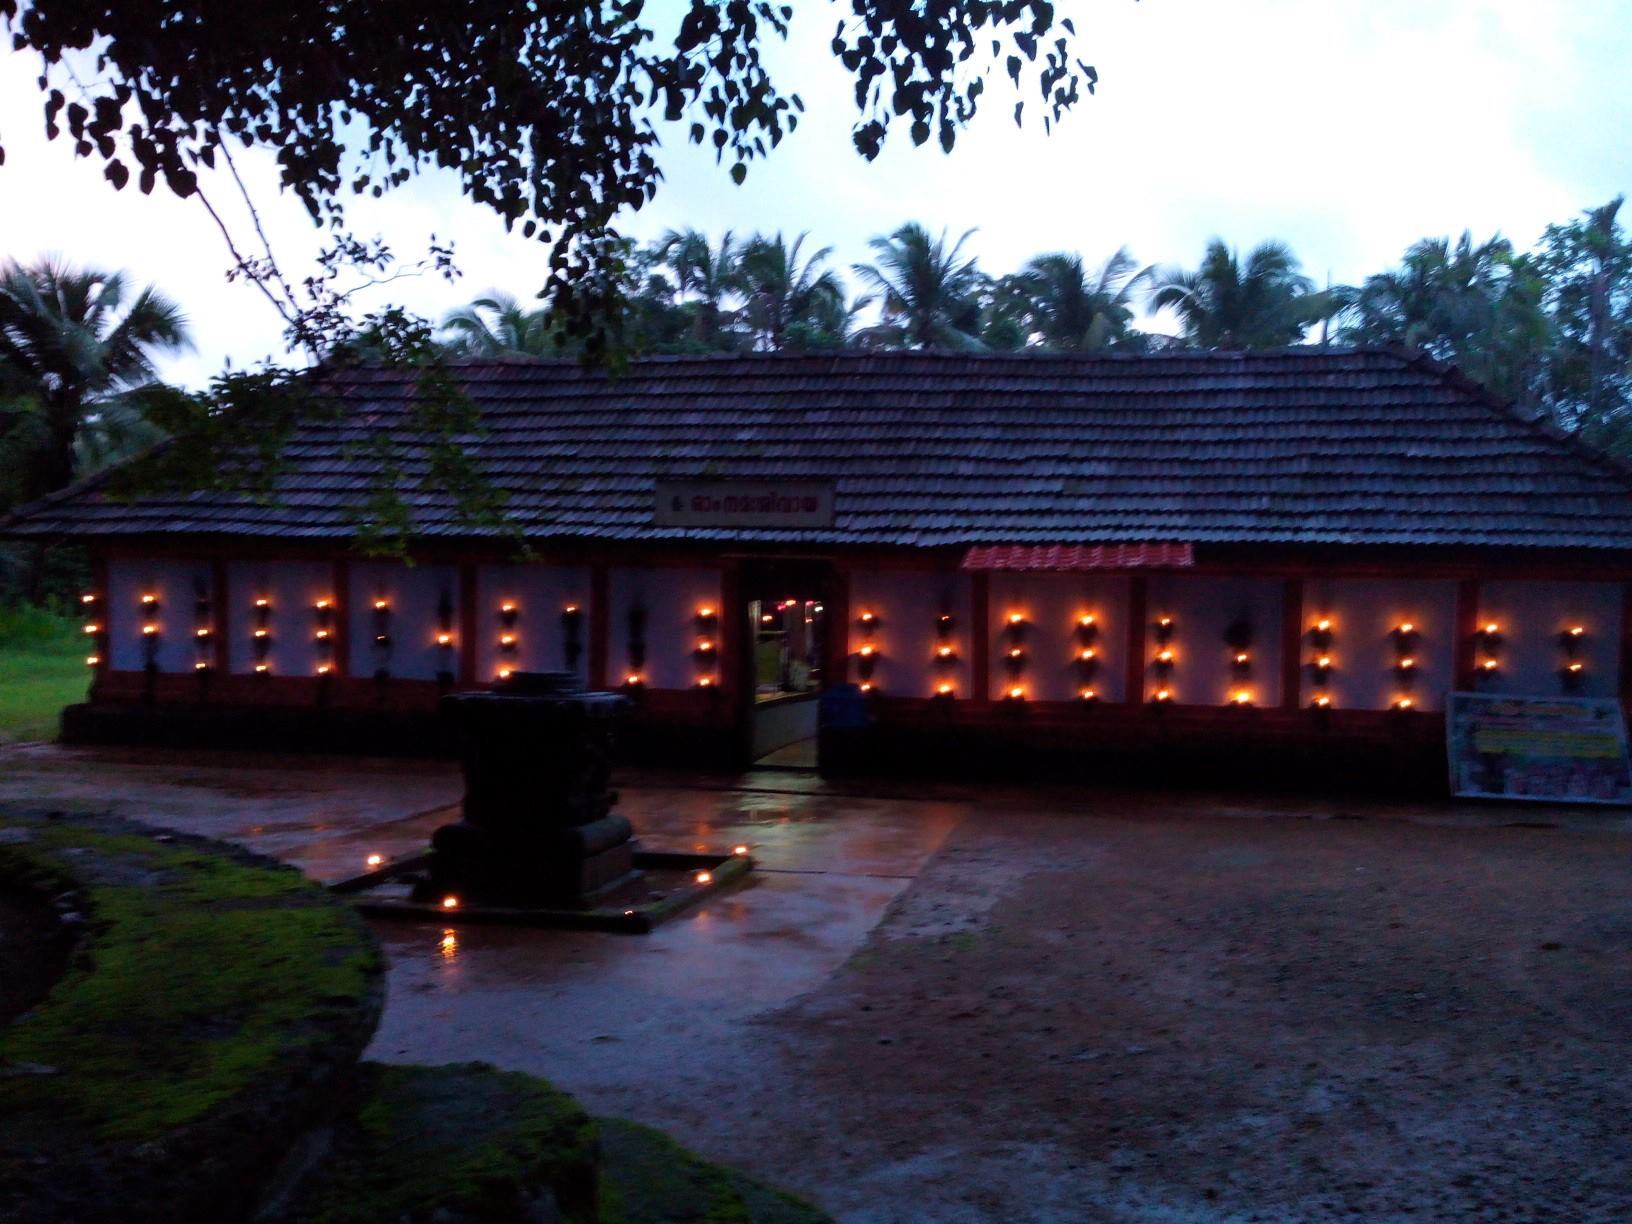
pixel 1278 563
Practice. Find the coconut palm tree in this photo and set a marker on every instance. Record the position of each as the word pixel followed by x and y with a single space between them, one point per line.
pixel 1588 264
pixel 1515 358
pixel 1438 299
pixel 73 342
pixel 704 273
pixel 781 293
pixel 1262 302
pixel 1072 309
pixel 1477 304
pixel 1005 315
pixel 928 291
pixel 498 325
pixel 22 438
pixel 829 324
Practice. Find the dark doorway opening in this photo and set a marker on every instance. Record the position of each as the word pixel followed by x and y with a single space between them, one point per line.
pixel 785 605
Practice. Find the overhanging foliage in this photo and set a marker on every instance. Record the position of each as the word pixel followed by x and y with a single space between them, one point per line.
pixel 547 113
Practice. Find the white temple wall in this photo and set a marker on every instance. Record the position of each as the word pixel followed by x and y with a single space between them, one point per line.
pixel 175 587
pixel 671 599
pixel 1204 608
pixel 1533 647
pixel 415 596
pixel 1052 606
pixel 541 595
pixel 1365 612
pixel 907 605
pixel 292 590
pixel 1533 619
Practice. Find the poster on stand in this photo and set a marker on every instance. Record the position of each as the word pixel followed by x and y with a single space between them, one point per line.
pixel 1555 749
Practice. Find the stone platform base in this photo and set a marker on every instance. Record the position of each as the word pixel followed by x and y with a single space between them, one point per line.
pixel 704 874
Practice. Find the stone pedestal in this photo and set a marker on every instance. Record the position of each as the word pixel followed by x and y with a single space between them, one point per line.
pixel 538 825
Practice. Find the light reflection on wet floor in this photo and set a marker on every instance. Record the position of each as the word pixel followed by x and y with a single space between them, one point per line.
pixel 641 1025
pixel 637 1025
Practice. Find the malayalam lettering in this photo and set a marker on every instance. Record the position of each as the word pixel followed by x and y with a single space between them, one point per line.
pixel 784 504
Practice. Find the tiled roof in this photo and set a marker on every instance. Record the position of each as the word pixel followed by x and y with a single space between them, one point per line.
pixel 1301 446
pixel 1079 558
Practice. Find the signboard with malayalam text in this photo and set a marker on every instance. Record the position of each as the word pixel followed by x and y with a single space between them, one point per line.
pixel 789 504
pixel 1552 749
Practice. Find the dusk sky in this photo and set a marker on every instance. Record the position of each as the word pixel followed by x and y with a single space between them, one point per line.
pixel 1349 130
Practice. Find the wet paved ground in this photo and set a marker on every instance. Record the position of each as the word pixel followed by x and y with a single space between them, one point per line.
pixel 613 1008
pixel 799 755
pixel 937 1003
pixel 626 1022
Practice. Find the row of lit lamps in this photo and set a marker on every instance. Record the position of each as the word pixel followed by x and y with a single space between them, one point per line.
pixel 1405 637
pixel 323 634
pixel 706 652
pixel 945 656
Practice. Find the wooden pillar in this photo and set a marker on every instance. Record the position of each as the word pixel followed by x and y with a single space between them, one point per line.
pixel 1466 630
pixel 836 618
pixel 734 643
pixel 598 613
pixel 738 673
pixel 102 642
pixel 1138 615
pixel 342 616
pixel 221 647
pixel 468 622
pixel 980 636
pixel 1292 643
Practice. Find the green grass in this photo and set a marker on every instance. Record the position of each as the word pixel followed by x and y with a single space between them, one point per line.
pixel 42 669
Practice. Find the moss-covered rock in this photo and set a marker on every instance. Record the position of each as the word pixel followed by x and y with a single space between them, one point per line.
pixel 463 1142
pixel 212 1009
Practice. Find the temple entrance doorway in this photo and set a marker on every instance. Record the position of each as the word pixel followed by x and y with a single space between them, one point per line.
pixel 786 608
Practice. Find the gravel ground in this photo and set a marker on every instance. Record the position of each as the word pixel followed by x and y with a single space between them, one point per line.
pixel 1192 1019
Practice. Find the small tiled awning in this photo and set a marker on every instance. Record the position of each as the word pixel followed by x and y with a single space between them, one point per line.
pixel 1076 558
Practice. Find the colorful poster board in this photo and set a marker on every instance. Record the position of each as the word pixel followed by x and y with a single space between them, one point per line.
pixel 1553 749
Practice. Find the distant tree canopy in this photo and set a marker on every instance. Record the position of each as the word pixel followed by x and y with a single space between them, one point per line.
pixel 1549 329
pixel 548 113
